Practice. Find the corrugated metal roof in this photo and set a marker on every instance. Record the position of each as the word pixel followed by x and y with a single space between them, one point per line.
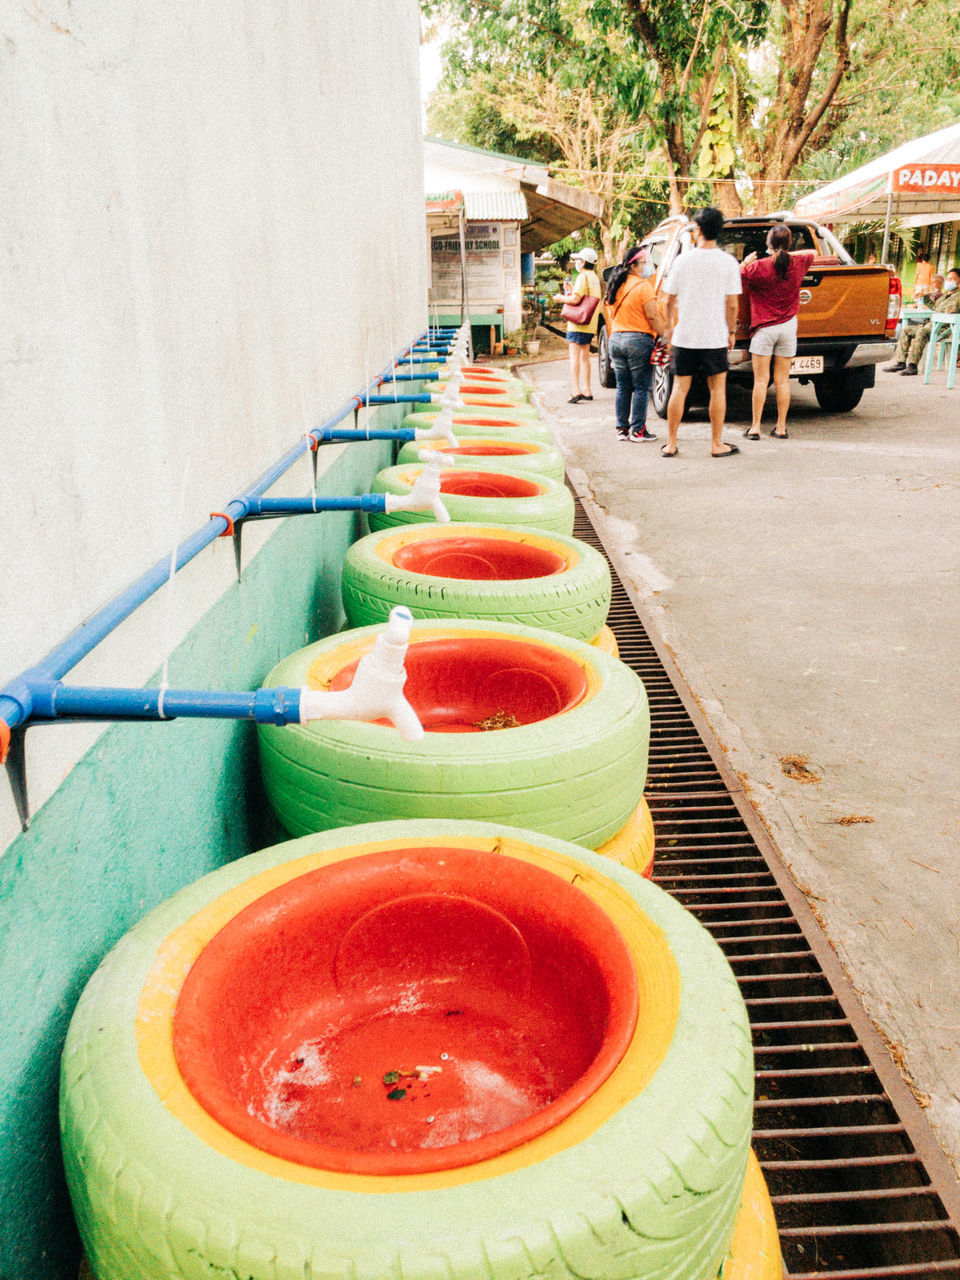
pixel 495 206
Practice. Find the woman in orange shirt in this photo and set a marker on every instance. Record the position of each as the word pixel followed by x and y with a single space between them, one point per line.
pixel 635 323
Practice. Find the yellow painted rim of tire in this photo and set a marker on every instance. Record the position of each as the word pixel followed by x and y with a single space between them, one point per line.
pixel 323 668
pixel 658 980
pixel 388 547
pixel 606 642
pixel 755 1249
pixel 634 844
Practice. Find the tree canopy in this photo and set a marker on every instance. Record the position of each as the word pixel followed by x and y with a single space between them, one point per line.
pixel 735 101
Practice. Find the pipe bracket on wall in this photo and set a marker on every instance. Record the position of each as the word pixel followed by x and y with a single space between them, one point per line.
pixel 16 763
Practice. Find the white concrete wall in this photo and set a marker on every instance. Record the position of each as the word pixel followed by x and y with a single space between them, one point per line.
pixel 211 225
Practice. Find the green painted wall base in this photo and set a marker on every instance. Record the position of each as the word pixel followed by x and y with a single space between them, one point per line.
pixel 151 808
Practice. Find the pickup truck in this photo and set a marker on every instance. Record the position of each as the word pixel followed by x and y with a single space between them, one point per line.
pixel 847 320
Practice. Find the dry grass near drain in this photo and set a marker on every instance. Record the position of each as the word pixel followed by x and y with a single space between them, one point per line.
pixel 851 819
pixel 796 767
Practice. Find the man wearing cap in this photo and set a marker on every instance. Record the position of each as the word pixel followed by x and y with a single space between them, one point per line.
pixel 579 336
pixel 702 293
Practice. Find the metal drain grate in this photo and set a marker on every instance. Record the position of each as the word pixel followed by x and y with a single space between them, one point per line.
pixel 859 1185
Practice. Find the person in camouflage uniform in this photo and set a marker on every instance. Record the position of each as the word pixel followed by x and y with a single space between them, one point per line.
pixel 912 343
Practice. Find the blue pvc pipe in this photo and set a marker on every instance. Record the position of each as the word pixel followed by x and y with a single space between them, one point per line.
pixel 425 398
pixel 327 435
pixel 17 698
pixel 371 502
pixel 57 701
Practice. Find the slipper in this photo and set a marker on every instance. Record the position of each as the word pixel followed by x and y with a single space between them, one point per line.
pixel 749 434
pixel 575 399
pixel 664 453
pixel 777 436
pixel 586 397
pixel 730 450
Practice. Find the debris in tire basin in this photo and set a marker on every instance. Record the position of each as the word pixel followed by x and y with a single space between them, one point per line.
pixel 500 719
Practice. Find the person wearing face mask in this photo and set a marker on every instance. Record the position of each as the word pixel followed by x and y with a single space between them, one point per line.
pixel 912 343
pixel 635 323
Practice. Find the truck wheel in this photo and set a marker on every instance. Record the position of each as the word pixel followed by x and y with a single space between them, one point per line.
pixel 662 386
pixel 646 1177
pixel 607 376
pixel 835 395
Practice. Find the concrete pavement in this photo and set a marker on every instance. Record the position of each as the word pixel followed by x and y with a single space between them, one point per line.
pixel 809 591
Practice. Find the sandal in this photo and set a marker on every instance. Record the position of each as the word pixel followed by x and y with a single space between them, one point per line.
pixel 668 453
pixel 730 450
pixel 777 436
pixel 750 434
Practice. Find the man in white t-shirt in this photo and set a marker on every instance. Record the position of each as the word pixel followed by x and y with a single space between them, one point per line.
pixel 702 291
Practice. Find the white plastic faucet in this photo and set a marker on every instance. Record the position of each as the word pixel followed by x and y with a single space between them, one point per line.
pixel 376 692
pixel 424 496
pixel 441 429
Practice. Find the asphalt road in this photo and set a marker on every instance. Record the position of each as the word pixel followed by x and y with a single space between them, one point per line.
pixel 809 591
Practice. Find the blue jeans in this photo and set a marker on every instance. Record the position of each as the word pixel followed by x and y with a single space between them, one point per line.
pixel 630 357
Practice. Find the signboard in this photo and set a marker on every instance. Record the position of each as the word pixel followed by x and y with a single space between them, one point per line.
pixel 444 201
pixel 484 267
pixel 932 179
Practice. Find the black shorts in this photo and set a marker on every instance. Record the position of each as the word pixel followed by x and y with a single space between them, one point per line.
pixel 690 361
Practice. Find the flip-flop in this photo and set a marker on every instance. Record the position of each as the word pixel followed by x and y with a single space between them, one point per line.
pixel 664 454
pixel 730 450
pixel 574 399
pixel 777 436
pixel 751 435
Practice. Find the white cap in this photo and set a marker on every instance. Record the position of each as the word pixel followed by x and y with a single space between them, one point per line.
pixel 585 255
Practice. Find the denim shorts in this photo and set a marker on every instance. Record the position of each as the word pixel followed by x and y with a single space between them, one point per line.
pixel 579 339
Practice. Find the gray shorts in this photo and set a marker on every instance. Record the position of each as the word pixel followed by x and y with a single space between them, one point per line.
pixel 776 340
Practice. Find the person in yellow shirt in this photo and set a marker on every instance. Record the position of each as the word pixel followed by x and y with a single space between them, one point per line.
pixel 579 336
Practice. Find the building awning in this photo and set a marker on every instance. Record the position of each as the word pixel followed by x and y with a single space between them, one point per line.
pixel 919 179
pixel 556 211
pixel 495 206
pixel 501 188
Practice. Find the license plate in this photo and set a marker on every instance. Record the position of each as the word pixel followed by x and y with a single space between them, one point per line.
pixel 806 364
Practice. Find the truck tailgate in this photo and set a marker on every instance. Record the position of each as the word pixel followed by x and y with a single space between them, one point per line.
pixel 844 302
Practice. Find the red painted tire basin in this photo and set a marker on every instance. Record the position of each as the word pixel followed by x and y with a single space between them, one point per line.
pixel 488 484
pixel 486 449
pixel 457 683
pixel 406 1011
pixel 478 559
pixel 463 420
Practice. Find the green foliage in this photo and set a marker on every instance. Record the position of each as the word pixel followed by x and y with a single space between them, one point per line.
pixel 709 81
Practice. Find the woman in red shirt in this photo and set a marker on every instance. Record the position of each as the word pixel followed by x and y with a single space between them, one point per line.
pixel 773 286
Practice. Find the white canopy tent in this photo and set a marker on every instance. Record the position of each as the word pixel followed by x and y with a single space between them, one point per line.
pixel 918 181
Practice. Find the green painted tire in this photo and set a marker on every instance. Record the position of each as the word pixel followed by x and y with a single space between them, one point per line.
pixel 512 389
pixel 479 424
pixel 653 1191
pixel 577 775
pixel 549 506
pixel 514 409
pixel 573 602
pixel 540 458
